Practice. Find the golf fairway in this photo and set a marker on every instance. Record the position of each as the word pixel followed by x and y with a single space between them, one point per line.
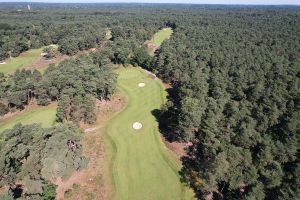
pixel 41 115
pixel 142 167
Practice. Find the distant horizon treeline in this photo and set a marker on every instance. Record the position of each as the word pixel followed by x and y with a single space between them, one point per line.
pixel 20 31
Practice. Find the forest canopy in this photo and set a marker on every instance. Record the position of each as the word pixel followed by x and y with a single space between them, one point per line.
pixel 234 72
pixel 36 156
pixel 235 97
pixel 74 83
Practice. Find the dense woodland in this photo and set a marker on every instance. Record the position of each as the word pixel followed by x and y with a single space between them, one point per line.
pixel 74 83
pixel 46 154
pixel 21 29
pixel 234 73
pixel 236 98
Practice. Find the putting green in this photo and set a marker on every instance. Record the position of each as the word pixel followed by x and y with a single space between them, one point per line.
pixel 161 35
pixel 43 115
pixel 142 167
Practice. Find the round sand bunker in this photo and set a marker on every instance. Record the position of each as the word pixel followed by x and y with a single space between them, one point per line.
pixel 137 125
pixel 141 84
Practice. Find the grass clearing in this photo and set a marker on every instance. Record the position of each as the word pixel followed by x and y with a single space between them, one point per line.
pixel 43 115
pixel 142 167
pixel 23 60
pixel 43 68
pixel 161 35
pixel 108 34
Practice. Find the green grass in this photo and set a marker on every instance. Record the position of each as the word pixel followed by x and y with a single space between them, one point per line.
pixel 43 115
pixel 142 167
pixel 108 34
pixel 25 59
pixel 161 35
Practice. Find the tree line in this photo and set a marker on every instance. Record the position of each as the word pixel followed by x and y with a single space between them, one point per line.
pixel 73 30
pixel 75 84
pixel 235 98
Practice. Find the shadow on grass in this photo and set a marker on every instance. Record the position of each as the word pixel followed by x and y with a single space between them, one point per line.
pixel 165 125
pixel 167 118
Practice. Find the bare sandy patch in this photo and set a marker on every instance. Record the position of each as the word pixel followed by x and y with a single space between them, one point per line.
pixel 137 125
pixel 152 48
pixel 42 61
pixel 141 85
pixel 90 130
pixel 178 149
pixel 150 74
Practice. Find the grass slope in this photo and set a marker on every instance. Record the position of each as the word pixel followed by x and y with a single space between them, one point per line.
pixel 25 59
pixel 142 167
pixel 42 115
pixel 161 35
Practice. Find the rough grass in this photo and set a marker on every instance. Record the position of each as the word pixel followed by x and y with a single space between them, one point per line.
pixel 43 115
pixel 43 68
pixel 142 167
pixel 23 60
pixel 161 35
pixel 108 35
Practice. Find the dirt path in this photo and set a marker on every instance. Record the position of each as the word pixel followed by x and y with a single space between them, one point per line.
pixel 42 62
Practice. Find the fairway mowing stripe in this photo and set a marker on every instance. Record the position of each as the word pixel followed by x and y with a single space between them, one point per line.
pixel 171 163
pixel 141 167
pixel 35 115
pixel 112 143
pixel 115 162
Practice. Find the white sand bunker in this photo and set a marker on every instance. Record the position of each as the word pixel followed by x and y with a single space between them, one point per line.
pixel 137 125
pixel 142 85
pixel 89 130
pixel 2 63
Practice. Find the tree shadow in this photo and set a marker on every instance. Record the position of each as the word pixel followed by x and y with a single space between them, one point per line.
pixel 17 191
pixel 163 126
pixel 167 123
pixel 166 117
pixel 169 135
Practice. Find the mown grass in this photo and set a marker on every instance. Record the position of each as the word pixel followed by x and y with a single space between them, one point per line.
pixel 108 34
pixel 142 167
pixel 25 59
pixel 161 35
pixel 42 115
